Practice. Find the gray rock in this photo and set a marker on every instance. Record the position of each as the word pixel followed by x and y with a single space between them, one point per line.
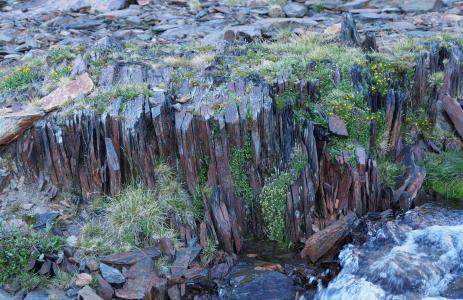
pixel 275 11
pixel 37 295
pixel 111 275
pixel 421 5
pixel 295 10
pixel 118 4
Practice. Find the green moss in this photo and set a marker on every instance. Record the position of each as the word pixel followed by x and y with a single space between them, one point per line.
pixel 239 160
pixel 18 248
pixel 273 198
pixel 444 173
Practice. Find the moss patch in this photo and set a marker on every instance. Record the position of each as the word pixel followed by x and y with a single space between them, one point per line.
pixel 273 198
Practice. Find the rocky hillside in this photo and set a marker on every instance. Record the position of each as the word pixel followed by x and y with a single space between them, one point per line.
pixel 145 144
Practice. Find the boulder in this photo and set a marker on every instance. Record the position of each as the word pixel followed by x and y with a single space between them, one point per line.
pixel 295 10
pixel 337 126
pixel 83 279
pixel 87 293
pixel 329 239
pixel 111 275
pixel 104 289
pixel 275 11
pixel 81 86
pixel 12 125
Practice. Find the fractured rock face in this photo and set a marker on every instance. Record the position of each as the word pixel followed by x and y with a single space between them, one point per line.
pixel 81 86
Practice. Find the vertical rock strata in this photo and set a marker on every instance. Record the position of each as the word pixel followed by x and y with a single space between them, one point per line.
pixel 96 154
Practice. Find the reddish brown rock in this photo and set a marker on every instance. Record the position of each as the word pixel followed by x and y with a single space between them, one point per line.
pixel 12 125
pixel 81 86
pixel 337 126
pixel 131 257
pixel 455 112
pixel 328 239
pixel 167 247
pixel 104 289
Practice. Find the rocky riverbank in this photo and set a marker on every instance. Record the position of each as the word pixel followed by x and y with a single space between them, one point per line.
pixel 148 144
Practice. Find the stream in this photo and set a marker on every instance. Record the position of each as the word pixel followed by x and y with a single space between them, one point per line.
pixel 416 256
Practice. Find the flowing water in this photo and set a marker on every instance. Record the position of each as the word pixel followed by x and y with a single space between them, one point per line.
pixel 417 256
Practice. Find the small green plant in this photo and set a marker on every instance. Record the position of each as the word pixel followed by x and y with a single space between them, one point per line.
pixel 444 173
pixel 18 248
pixel 287 97
pixel 59 54
pixel 61 72
pixel 273 198
pixel 318 7
pixel 209 251
pixel 436 79
pixel 239 159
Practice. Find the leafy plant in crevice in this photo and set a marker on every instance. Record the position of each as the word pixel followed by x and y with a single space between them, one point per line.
pixel 239 159
pixel 59 54
pixel 18 248
pixel 444 173
pixel 272 198
pixel 389 171
pixel 287 97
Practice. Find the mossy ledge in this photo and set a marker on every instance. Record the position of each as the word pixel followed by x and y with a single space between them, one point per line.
pixel 246 107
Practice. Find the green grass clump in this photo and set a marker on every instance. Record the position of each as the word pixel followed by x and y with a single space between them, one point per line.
pixel 138 217
pixel 101 101
pixel 436 79
pixel 239 159
pixel 18 248
pixel 444 173
pixel 273 198
pixel 19 79
pixel 209 251
pixel 318 7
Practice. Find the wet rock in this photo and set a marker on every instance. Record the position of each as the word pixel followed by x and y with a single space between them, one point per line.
pixel 248 283
pixel 87 293
pixel 81 86
pixel 131 257
pixel 83 279
pixel 295 10
pixel 14 124
pixel 337 126
pixel 421 5
pixel 111 275
pixel 329 239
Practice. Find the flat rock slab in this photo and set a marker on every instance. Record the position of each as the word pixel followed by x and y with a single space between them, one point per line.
pixel 129 258
pixel 111 275
pixel 183 259
pixel 337 126
pixel 81 86
pixel 12 125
